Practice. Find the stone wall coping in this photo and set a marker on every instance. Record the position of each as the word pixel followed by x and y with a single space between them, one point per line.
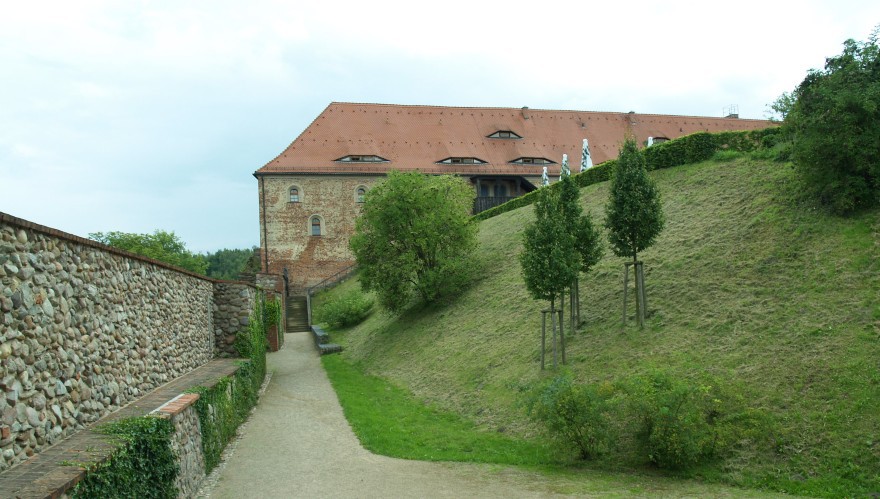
pixel 55 470
pixel 25 224
pixel 175 406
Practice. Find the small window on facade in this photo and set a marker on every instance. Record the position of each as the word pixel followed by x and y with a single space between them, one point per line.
pixel 484 191
pixel 504 134
pixel 532 161
pixel 461 161
pixel 294 194
pixel 316 226
pixel 357 158
pixel 361 194
pixel 500 190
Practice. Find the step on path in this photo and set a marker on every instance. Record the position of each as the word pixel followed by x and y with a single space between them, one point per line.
pixel 297 314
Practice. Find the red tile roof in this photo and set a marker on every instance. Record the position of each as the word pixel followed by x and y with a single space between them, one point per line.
pixel 417 137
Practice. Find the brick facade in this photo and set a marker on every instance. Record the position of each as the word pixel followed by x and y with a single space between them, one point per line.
pixel 286 239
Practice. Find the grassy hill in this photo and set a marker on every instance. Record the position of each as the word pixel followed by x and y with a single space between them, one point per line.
pixel 746 283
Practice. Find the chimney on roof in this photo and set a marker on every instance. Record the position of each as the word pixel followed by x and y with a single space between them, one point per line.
pixel 732 111
pixel 525 112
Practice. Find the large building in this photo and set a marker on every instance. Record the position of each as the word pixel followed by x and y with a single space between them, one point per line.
pixel 311 193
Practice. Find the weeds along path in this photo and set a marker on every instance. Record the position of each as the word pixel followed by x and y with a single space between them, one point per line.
pixel 298 443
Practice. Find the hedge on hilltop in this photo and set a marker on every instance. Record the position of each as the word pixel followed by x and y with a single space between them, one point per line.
pixel 692 148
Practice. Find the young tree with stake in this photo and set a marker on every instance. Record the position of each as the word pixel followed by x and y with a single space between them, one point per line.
pixel 633 215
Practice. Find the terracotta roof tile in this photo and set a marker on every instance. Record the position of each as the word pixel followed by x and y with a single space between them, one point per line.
pixel 417 137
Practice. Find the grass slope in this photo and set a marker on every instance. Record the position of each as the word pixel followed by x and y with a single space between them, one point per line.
pixel 745 283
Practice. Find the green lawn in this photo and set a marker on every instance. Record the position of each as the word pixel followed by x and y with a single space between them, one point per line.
pixel 747 283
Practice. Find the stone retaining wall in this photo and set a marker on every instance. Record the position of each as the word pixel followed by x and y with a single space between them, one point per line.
pixel 86 329
pixel 186 442
pixel 233 302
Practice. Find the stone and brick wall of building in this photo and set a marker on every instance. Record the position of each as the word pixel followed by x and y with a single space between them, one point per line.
pixel 287 232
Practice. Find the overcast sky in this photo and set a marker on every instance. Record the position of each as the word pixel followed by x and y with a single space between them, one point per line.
pixel 143 115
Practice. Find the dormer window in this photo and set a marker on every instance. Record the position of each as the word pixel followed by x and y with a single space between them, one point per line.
pixel 362 159
pixel 504 134
pixel 532 161
pixel 461 161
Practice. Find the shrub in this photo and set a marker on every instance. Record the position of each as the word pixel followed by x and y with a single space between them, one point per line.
pixel 143 466
pixel 578 416
pixel 680 425
pixel 347 310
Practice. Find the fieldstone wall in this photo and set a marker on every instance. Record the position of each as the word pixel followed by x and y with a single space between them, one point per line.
pixel 85 329
pixel 187 446
pixel 233 302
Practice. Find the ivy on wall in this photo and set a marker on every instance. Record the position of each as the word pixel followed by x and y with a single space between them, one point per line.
pixel 223 407
pixel 692 148
pixel 142 466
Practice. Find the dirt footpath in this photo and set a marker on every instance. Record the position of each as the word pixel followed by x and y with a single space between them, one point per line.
pixel 298 443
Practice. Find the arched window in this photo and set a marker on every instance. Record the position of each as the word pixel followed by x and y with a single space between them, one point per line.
pixel 360 194
pixel 294 194
pixel 316 226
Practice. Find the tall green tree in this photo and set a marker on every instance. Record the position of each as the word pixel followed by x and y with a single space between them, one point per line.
pixel 549 258
pixel 633 215
pixel 160 245
pixel 835 127
pixel 414 238
pixel 587 243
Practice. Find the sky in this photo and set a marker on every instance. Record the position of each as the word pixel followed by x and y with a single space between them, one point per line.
pixel 141 115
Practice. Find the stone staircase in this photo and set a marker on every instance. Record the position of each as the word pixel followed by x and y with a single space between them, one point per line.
pixel 297 315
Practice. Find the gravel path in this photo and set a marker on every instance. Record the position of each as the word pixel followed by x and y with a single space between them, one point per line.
pixel 297 443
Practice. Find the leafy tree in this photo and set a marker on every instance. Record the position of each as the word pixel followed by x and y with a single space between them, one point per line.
pixel 835 127
pixel 160 245
pixel 780 108
pixel 228 263
pixel 633 214
pixel 415 238
pixel 587 245
pixel 548 260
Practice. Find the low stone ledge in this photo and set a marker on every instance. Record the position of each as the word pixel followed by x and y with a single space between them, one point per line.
pixel 51 473
pixel 175 406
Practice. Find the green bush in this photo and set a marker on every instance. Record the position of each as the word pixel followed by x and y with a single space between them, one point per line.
pixel 143 466
pixel 577 416
pixel 681 424
pixel 670 422
pixel 273 313
pixel 346 310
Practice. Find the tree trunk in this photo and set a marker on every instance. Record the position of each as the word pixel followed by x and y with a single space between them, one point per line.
pixel 553 328
pixel 636 279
